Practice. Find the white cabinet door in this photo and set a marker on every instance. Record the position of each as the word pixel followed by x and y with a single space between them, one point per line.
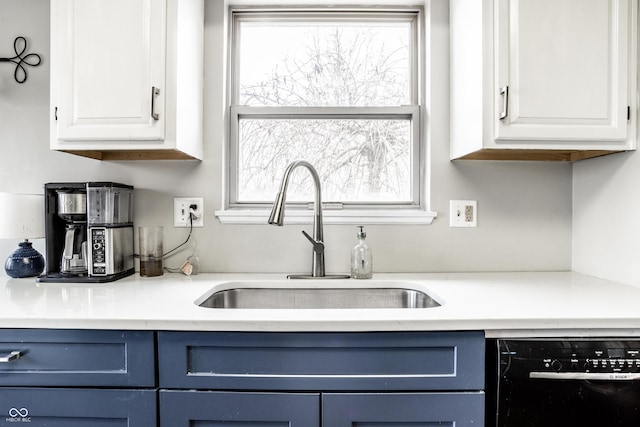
pixel 562 70
pixel 108 69
pixel 542 79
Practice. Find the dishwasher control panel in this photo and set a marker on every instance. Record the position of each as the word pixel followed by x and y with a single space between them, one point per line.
pixel 524 357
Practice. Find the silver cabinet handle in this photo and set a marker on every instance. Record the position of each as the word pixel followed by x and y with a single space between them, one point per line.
pixel 504 91
pixel 154 92
pixel 14 355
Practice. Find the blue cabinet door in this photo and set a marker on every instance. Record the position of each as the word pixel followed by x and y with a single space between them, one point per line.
pixel 459 409
pixel 188 408
pixel 60 407
pixel 77 358
pixel 332 361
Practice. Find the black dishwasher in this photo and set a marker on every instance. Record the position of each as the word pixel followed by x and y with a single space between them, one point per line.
pixel 563 382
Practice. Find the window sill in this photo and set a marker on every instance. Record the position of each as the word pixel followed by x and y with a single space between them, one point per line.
pixel 353 217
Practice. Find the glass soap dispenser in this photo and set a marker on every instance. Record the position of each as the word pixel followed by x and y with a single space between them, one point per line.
pixel 361 267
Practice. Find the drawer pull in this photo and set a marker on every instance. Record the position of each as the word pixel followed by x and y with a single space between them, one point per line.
pixel 14 355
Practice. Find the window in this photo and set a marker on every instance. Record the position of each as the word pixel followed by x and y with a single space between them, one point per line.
pixel 338 88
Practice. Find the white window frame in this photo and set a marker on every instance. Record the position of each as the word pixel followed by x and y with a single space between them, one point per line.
pixel 414 212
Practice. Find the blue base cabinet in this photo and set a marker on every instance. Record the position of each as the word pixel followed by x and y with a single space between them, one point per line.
pixel 378 379
pixel 84 378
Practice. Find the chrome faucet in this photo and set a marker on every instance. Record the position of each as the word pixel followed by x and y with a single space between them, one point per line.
pixel 317 240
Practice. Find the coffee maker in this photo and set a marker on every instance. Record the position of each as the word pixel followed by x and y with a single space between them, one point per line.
pixel 88 232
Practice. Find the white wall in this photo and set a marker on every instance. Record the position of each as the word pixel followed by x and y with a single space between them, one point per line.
pixel 524 208
pixel 606 217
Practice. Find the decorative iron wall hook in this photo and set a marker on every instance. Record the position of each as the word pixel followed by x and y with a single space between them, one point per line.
pixel 20 60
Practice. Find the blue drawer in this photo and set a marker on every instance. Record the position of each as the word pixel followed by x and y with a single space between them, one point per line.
pixel 188 408
pixel 55 407
pixel 77 358
pixel 459 409
pixel 380 361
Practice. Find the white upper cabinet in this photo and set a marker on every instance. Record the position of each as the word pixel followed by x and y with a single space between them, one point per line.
pixel 109 58
pixel 126 78
pixel 543 79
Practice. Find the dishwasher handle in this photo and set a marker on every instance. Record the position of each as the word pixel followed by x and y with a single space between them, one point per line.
pixel 591 376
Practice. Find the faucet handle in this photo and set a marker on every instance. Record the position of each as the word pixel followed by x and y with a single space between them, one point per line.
pixel 318 246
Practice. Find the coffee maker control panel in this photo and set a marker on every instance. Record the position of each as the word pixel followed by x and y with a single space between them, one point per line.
pixel 98 254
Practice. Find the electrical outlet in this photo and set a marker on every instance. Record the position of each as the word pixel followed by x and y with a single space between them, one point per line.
pixel 463 213
pixel 181 206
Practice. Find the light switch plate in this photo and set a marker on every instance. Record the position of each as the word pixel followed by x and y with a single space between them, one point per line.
pixel 181 207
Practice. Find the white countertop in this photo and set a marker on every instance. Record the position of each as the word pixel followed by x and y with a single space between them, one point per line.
pixel 502 304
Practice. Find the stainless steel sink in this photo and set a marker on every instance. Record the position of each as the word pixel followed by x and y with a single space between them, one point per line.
pixel 317 298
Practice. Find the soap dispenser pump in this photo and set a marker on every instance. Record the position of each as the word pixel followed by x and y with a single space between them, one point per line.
pixel 361 258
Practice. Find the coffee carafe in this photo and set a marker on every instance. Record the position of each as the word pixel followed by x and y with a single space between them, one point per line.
pixel 74 255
